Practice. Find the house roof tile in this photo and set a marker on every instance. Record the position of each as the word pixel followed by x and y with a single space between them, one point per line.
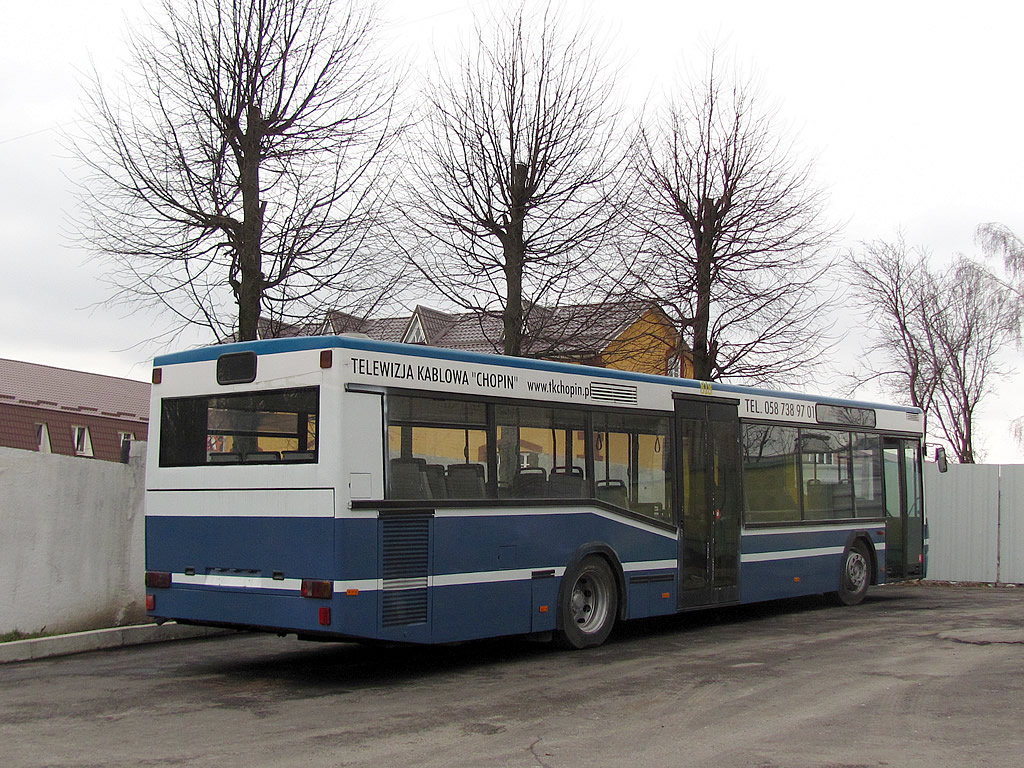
pixel 61 389
pixel 574 330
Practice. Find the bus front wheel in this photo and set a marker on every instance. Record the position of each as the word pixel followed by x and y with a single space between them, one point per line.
pixel 587 605
pixel 856 575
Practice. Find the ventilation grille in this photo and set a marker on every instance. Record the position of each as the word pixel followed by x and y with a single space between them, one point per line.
pixel 612 393
pixel 405 563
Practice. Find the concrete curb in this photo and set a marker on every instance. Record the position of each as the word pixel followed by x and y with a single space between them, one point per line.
pixel 99 639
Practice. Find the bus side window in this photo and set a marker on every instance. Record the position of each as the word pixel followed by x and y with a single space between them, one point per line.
pixel 632 463
pixel 430 440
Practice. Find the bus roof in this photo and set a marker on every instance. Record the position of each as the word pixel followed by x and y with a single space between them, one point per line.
pixel 301 343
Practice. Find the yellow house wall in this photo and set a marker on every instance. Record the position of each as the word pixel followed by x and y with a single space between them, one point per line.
pixel 645 347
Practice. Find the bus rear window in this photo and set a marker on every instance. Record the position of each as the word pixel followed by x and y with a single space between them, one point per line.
pixel 272 427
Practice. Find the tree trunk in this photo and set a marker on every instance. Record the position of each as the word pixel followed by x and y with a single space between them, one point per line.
pixel 703 359
pixel 250 257
pixel 514 247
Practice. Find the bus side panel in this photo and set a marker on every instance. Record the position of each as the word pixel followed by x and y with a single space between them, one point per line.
pixel 539 539
pixel 356 552
pixel 486 609
pixel 650 595
pixel 792 577
pixel 792 563
pixel 503 580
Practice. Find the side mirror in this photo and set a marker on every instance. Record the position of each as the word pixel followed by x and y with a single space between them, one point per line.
pixel 940 459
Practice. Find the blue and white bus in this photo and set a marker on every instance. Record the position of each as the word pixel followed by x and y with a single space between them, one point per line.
pixel 344 488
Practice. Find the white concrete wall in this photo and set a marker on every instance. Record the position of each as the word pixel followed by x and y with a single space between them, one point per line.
pixel 975 518
pixel 71 541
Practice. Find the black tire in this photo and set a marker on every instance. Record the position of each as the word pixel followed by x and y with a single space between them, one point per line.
pixel 587 604
pixel 855 577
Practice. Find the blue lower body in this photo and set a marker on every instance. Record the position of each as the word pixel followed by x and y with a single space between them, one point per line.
pixel 480 575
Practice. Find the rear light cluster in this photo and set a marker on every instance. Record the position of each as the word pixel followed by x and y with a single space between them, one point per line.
pixel 158 580
pixel 319 589
pixel 323 590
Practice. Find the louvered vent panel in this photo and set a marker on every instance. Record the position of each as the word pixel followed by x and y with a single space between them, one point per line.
pixel 406 542
pixel 612 393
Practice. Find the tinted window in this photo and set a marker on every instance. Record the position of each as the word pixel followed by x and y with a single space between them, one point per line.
pixel 771 473
pixel 631 463
pixel 245 428
pixel 437 448
pixel 541 453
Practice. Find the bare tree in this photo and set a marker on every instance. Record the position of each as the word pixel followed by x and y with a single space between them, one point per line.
pixel 940 332
pixel 234 172
pixel 998 240
pixel 893 285
pixel 974 319
pixel 731 237
pixel 514 173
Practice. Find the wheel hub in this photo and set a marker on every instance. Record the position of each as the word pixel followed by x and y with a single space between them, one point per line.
pixel 856 571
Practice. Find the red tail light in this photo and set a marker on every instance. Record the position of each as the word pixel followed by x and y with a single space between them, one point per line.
pixel 158 580
pixel 325 616
pixel 323 590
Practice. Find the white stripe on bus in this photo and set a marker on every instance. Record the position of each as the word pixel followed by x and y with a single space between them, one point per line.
pixel 792 554
pixel 811 529
pixel 236 582
pixel 370 585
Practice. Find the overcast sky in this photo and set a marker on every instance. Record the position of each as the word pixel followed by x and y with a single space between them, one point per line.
pixel 912 111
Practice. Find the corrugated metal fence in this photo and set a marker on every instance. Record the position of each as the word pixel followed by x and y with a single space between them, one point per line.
pixel 976 522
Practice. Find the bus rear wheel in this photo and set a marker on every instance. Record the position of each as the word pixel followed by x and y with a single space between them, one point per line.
pixel 856 575
pixel 588 604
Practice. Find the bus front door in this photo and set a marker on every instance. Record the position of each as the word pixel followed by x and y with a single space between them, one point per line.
pixel 708 502
pixel 904 516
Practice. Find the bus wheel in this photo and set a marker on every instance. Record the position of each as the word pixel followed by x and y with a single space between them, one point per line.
pixel 587 604
pixel 856 576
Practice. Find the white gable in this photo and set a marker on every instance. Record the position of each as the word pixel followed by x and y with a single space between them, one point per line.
pixel 415 334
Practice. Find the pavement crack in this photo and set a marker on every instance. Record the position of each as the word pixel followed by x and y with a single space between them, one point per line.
pixel 537 757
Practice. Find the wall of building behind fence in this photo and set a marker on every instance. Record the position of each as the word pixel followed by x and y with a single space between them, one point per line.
pixel 71 541
pixel 976 522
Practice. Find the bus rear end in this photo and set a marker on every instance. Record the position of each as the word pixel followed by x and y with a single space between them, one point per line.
pixel 240 513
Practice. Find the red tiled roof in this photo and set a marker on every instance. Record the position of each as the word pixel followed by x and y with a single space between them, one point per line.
pixel 60 389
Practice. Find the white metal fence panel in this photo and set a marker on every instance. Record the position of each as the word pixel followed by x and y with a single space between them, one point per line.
pixel 962 508
pixel 1011 524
